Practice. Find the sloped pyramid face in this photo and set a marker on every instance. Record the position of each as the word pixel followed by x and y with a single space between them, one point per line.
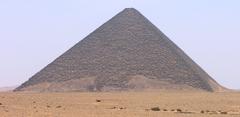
pixel 126 53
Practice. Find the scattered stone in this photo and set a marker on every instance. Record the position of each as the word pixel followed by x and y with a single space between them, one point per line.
pixel 48 106
pixel 98 100
pixel 121 108
pixel 202 111
pixel 224 113
pixel 59 107
pixel 155 109
pixel 0 103
pixel 165 110
pixel 179 110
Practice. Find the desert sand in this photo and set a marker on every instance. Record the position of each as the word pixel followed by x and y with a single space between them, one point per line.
pixel 120 104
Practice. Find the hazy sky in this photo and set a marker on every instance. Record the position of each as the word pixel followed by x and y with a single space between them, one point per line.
pixel 35 32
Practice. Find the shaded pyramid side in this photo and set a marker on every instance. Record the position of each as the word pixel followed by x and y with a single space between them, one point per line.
pixel 127 52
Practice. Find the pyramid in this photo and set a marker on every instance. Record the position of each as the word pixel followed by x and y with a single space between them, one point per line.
pixel 126 53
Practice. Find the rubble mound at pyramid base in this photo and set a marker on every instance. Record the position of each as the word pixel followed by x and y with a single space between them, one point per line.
pixel 137 83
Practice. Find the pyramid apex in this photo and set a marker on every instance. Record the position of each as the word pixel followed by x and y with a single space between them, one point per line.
pixel 130 10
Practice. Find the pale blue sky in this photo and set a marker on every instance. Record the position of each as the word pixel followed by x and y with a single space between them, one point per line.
pixel 35 32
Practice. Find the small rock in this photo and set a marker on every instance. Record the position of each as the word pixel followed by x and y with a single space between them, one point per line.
pixel 179 110
pixel 122 108
pixel 98 100
pixel 155 109
pixel 59 107
pixel 224 113
pixel 165 110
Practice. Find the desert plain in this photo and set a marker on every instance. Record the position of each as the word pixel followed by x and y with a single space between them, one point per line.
pixel 120 104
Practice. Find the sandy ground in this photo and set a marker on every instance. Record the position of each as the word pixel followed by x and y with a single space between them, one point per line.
pixel 123 104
